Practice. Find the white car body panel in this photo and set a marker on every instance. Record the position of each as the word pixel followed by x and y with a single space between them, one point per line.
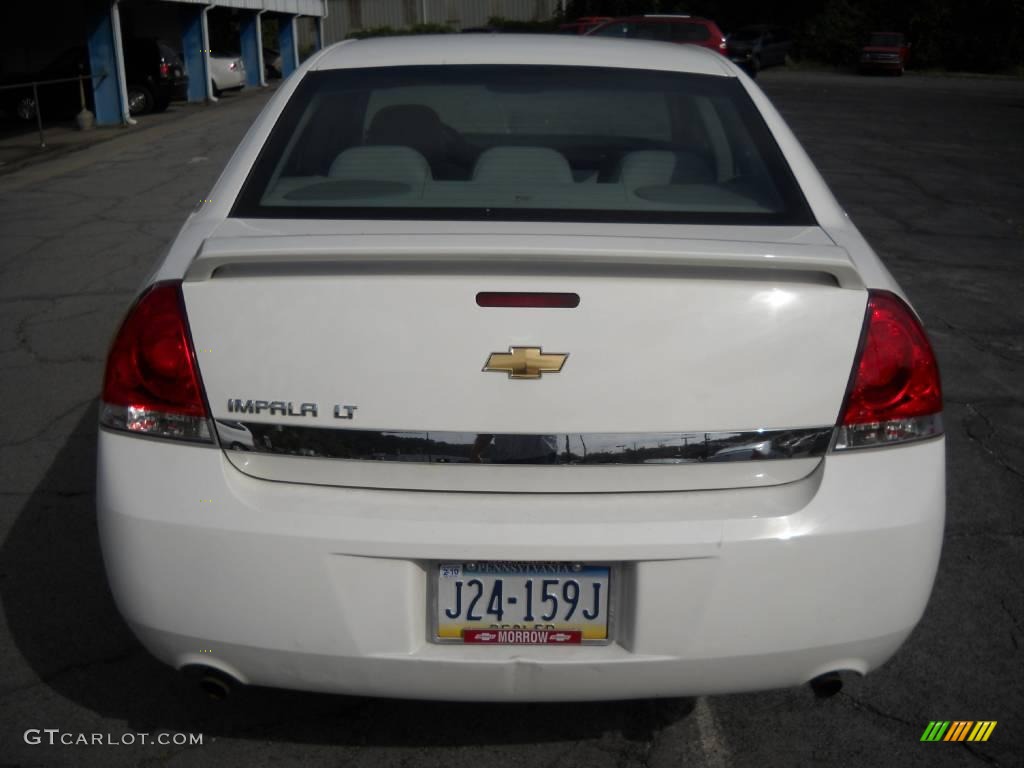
pixel 226 77
pixel 718 583
pixel 625 373
pixel 314 573
pixel 781 260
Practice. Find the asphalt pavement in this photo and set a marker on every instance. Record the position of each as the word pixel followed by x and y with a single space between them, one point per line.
pixel 931 171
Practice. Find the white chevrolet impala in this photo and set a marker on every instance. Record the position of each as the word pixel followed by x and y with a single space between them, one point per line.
pixel 521 368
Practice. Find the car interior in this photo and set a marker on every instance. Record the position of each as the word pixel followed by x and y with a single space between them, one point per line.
pixel 477 145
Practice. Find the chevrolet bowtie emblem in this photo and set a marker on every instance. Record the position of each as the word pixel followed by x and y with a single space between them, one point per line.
pixel 525 362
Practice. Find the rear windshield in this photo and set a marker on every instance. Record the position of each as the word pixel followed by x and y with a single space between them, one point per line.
pixel 521 143
pixel 886 40
pixel 747 34
pixel 168 53
pixel 673 31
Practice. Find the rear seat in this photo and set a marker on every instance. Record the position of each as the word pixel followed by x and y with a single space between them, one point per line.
pixel 383 168
pixel 398 164
pixel 652 167
pixel 534 165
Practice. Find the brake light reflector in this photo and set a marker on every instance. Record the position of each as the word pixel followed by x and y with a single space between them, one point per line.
pixel 895 393
pixel 152 383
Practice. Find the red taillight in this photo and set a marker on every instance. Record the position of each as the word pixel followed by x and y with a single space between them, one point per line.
pixel 152 383
pixel 520 299
pixel 895 393
pixel 165 69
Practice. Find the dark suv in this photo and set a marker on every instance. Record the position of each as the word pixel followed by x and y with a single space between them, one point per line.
pixel 153 71
pixel 669 28
pixel 169 85
pixel 758 46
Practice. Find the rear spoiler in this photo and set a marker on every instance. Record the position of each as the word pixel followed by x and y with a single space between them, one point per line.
pixel 330 254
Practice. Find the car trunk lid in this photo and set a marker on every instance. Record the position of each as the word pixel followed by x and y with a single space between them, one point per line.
pixel 689 363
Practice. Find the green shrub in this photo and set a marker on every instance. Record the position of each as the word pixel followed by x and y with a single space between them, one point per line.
pixel 835 35
pixel 415 29
pixel 511 25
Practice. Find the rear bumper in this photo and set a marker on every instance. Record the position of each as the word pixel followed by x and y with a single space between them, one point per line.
pixel 175 90
pixel 880 66
pixel 325 589
pixel 230 81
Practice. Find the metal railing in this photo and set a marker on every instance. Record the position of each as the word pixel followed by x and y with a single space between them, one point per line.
pixel 35 95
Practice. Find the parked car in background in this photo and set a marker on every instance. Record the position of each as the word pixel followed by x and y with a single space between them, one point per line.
pixel 227 72
pixel 669 28
pixel 504 368
pixel 153 70
pixel 272 64
pixel 582 25
pixel 758 46
pixel 885 52
pixel 58 100
pixel 155 74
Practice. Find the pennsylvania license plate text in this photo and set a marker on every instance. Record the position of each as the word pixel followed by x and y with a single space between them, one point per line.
pixel 568 599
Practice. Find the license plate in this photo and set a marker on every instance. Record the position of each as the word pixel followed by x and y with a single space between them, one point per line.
pixel 521 603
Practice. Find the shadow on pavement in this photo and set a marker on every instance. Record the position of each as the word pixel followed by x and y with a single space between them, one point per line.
pixel 64 623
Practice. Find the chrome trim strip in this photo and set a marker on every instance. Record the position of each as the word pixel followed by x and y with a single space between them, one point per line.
pixel 591 449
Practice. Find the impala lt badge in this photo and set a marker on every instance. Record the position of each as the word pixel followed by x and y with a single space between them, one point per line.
pixel 345 411
pixel 273 407
pixel 287 408
pixel 525 362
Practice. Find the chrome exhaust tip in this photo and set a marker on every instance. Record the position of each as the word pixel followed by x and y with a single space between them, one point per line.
pixel 827 685
pixel 216 687
pixel 216 684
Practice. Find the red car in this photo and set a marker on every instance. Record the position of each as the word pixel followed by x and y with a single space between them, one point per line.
pixel 669 28
pixel 885 52
pixel 582 25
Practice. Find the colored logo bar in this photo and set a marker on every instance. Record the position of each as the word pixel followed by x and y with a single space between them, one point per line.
pixel 958 730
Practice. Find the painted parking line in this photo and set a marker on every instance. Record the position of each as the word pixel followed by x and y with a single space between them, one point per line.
pixel 712 742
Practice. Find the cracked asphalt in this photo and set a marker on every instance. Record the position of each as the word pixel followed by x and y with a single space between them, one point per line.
pixel 930 169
